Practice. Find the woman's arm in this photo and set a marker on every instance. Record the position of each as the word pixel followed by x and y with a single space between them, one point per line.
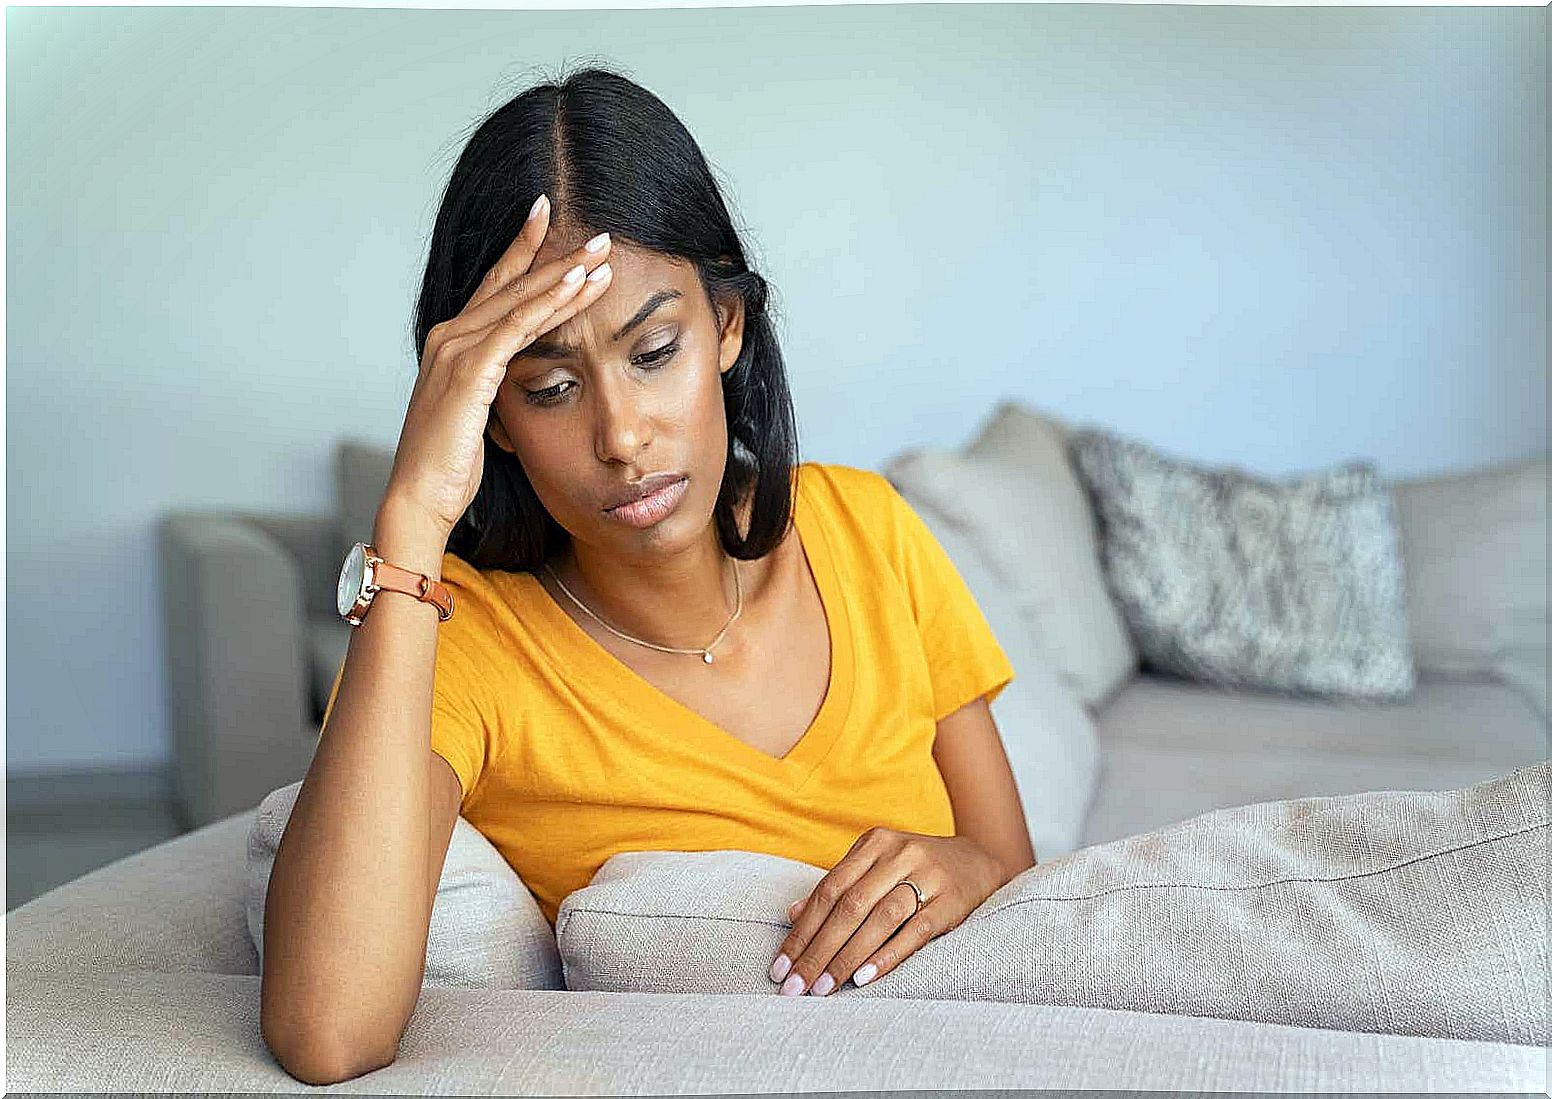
pixel 975 768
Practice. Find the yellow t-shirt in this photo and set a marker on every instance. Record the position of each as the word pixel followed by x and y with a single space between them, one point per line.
pixel 567 756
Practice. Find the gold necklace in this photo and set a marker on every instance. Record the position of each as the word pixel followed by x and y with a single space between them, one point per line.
pixel 705 653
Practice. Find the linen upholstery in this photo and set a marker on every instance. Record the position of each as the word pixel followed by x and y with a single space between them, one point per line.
pixel 1048 735
pixel 1413 912
pixel 1238 580
pixel 151 1032
pixel 1172 749
pixel 145 1021
pixel 1019 436
pixel 1475 545
pixel 173 908
pixel 486 928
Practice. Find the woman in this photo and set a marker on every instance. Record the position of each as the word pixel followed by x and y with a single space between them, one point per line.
pixel 757 654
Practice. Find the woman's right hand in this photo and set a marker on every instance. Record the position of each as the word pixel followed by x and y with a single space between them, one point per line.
pixel 440 456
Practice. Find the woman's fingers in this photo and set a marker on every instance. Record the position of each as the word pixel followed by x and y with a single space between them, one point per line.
pixel 860 921
pixel 537 282
pixel 889 920
pixel 518 255
pixel 531 318
pixel 814 919
pixel 869 962
pixel 863 918
pixel 836 907
pixel 510 282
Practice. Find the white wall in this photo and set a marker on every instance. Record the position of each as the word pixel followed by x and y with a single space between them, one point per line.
pixel 1274 236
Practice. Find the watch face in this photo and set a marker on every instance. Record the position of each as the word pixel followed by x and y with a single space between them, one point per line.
pixel 352 575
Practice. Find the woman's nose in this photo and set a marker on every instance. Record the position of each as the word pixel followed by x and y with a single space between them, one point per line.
pixel 621 427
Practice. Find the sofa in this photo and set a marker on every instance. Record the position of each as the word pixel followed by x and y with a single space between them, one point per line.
pixel 144 975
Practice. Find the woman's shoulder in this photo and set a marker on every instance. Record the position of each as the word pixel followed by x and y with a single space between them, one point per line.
pixel 860 506
pixel 481 597
pixel 460 576
pixel 865 492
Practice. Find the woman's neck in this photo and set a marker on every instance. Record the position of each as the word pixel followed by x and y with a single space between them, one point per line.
pixel 682 603
pixel 679 603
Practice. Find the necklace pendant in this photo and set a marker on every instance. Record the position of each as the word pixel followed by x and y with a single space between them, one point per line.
pixel 707 656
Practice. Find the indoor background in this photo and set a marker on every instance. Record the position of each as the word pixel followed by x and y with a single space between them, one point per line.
pixel 1277 237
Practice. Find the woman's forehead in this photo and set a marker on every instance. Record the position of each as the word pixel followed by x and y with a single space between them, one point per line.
pixel 645 286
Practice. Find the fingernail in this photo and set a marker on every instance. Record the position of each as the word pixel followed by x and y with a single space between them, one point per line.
pixel 822 986
pixel 600 273
pixel 864 974
pixel 597 243
pixel 537 206
pixel 793 985
pixel 780 966
pixel 575 274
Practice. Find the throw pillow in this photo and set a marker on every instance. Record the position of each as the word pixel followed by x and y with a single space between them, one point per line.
pixel 1034 527
pixel 1243 582
pixel 1402 912
pixel 1049 738
pixel 1018 434
pixel 1475 546
pixel 487 930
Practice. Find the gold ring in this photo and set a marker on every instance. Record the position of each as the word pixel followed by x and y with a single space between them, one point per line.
pixel 920 897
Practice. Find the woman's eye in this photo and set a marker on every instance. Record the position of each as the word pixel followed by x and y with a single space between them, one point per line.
pixel 549 396
pixel 661 354
pixel 554 394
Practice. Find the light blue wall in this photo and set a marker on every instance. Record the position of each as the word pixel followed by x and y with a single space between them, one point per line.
pixel 1274 236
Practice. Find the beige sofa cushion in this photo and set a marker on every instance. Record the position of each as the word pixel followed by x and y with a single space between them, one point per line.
pixel 487 930
pixel 1475 546
pixel 1018 500
pixel 1406 912
pixel 1048 736
pixel 1174 749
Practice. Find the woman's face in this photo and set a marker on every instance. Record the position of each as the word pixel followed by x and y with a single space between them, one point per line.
pixel 630 386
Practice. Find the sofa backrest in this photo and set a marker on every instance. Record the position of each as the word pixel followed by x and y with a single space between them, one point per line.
pixel 361 473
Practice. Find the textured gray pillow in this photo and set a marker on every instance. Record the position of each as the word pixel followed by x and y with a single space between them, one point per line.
pixel 1402 912
pixel 487 930
pixel 1238 581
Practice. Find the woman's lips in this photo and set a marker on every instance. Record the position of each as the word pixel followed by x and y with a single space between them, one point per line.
pixel 651 508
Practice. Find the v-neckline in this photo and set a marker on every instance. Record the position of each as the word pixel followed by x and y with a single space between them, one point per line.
pixel 574 648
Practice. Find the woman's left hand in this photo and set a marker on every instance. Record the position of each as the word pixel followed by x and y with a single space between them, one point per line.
pixel 858 923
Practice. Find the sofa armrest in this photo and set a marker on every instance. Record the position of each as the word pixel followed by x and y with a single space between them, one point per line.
pixel 173 908
pixel 312 542
pixel 234 626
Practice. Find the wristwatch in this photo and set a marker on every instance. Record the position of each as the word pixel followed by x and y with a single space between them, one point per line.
pixel 365 574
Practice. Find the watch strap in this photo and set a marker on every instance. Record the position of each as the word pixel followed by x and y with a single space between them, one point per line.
pixel 390 577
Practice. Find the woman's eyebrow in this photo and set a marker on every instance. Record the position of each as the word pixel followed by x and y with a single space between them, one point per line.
pixel 555 349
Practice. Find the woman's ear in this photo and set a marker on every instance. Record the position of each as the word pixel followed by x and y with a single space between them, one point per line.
pixel 496 433
pixel 730 316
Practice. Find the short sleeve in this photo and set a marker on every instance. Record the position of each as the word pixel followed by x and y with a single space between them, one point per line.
pixel 459 726
pixel 964 657
pixel 460 713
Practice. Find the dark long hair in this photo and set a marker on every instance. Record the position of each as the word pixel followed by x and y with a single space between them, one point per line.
pixel 613 158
